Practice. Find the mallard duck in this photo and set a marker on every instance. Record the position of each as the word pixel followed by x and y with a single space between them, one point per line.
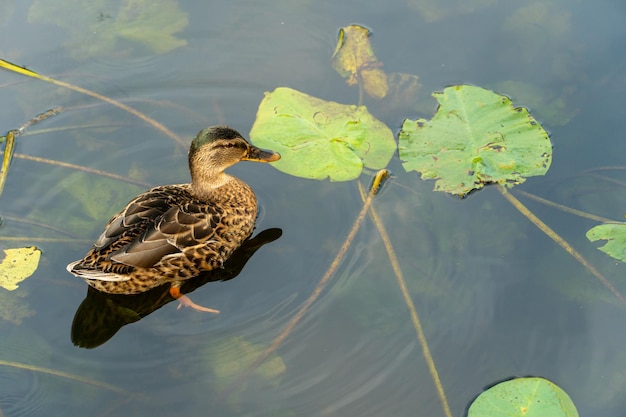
pixel 173 232
pixel 101 315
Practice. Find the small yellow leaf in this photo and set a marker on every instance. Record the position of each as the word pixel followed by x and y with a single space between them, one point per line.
pixel 17 265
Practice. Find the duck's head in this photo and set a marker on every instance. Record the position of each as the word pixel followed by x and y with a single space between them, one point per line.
pixel 216 148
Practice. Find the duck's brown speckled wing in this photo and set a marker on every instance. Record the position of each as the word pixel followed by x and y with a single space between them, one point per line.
pixel 155 224
pixel 180 227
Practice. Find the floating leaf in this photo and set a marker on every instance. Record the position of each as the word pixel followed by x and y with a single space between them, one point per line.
pixel 549 106
pixel 320 139
pixel 403 90
pixel 434 10
pixel 614 234
pixel 17 265
pixel 97 30
pixel 354 59
pixel 231 358
pixel 13 306
pixel 523 397
pixel 476 137
pixel 98 197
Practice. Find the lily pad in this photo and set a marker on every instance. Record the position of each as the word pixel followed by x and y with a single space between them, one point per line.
pixel 354 59
pixel 523 397
pixel 17 265
pixel 101 28
pixel 14 306
pixel 321 139
pixel 476 137
pixel 552 107
pixel 615 236
pixel 435 10
pixel 230 359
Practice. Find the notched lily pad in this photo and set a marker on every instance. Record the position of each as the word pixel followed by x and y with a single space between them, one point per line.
pixel 523 397
pixel 475 138
pixel 321 139
pixel 615 236
pixel 17 265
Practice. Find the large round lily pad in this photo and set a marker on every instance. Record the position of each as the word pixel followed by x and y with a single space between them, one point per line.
pixel 523 397
pixel 320 139
pixel 476 137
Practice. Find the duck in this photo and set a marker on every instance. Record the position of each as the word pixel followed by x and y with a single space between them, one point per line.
pixel 172 233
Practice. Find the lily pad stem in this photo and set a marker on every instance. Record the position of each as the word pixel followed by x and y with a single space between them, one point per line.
pixel 560 241
pixel 395 265
pixel 378 180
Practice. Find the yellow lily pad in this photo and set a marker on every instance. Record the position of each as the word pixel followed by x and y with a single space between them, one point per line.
pixel 354 59
pixel 17 265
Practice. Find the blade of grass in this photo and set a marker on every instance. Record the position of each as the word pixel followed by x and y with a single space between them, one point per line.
pixel 560 241
pixel 9 148
pixel 378 179
pixel 417 324
pixel 158 126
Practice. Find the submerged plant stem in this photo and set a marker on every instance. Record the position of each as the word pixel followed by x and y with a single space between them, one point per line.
pixel 66 375
pixel 561 242
pixel 158 126
pixel 378 179
pixel 43 239
pixel 417 324
pixel 565 208
pixel 82 168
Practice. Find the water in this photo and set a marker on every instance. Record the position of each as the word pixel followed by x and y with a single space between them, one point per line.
pixel 496 297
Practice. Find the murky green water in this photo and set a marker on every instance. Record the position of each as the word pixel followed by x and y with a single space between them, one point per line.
pixel 496 297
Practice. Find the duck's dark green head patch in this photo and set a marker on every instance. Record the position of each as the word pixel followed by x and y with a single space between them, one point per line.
pixel 211 134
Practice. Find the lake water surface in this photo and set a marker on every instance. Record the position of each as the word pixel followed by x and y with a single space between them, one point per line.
pixel 497 298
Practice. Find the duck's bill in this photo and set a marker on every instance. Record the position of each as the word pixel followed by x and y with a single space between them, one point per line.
pixel 259 155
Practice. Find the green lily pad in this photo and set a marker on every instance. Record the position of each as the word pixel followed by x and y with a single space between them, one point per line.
pixel 17 265
pixel 102 28
pixel 321 139
pixel 14 307
pixel 550 106
pixel 231 358
pixel 523 397
pixel 476 137
pixel 614 234
pixel 435 10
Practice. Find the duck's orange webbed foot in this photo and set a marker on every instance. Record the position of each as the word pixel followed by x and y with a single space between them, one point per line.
pixel 184 301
